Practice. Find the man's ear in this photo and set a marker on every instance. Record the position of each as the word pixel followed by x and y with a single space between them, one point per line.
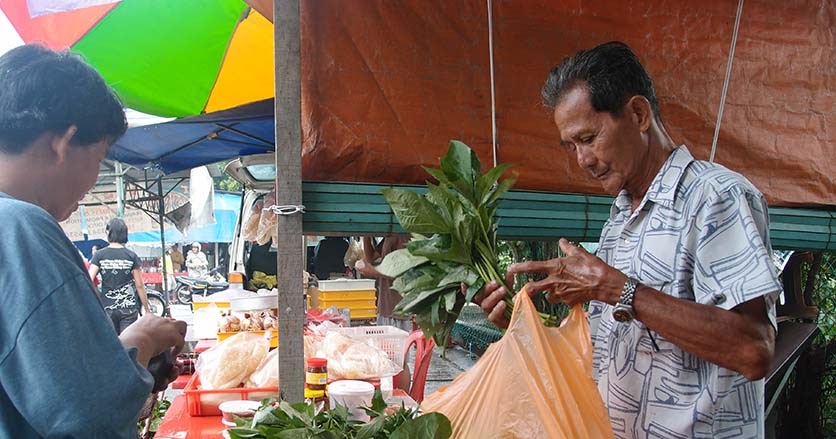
pixel 640 111
pixel 61 144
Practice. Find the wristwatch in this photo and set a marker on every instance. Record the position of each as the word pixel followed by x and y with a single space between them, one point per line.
pixel 623 311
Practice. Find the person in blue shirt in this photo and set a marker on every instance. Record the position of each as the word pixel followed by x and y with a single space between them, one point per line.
pixel 64 372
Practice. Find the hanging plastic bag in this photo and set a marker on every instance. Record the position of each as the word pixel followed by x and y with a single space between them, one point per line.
pixel 536 382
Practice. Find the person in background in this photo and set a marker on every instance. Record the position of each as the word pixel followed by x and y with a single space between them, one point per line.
pixel 93 250
pixel 64 372
pixel 329 256
pixel 121 277
pixel 682 290
pixel 196 262
pixel 167 266
pixel 387 298
pixel 177 259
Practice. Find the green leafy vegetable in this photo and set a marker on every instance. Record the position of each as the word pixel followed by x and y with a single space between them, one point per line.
pixel 280 420
pixel 454 241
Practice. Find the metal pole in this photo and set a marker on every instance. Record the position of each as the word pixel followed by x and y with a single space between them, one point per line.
pixel 288 119
pixel 120 190
pixel 161 213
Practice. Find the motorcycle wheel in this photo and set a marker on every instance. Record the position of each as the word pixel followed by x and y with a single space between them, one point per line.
pixel 157 305
pixel 184 296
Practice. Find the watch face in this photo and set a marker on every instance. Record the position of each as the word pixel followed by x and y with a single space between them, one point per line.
pixel 622 315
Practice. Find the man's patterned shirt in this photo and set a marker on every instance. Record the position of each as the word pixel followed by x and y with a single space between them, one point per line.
pixel 700 234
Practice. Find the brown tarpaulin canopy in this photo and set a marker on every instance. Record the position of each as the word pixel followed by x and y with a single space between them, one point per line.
pixel 385 86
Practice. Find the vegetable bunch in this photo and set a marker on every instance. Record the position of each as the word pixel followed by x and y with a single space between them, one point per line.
pixel 281 420
pixel 454 241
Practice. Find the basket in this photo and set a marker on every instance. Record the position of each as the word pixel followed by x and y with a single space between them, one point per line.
pixel 205 402
pixel 386 338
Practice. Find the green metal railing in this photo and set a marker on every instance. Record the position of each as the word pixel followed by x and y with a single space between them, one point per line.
pixel 357 208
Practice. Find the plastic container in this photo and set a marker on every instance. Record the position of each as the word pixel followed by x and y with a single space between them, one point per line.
pixel 352 394
pixel 386 338
pixel 241 408
pixel 274 337
pixel 346 285
pixel 361 303
pixel 205 402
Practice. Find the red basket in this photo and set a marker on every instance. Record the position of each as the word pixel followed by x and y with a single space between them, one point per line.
pixel 205 402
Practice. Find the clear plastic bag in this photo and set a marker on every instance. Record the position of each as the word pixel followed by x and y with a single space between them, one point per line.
pixel 267 373
pixel 227 364
pixel 536 382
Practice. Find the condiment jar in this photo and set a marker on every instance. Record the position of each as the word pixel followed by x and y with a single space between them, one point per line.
pixel 316 374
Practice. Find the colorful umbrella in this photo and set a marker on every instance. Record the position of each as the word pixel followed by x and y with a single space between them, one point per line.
pixel 163 57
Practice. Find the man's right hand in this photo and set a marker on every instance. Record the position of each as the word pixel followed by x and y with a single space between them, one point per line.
pixel 152 335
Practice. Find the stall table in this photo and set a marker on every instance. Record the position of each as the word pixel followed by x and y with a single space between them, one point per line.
pixel 177 424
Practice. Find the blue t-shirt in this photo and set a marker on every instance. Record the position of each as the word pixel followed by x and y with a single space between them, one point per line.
pixel 63 371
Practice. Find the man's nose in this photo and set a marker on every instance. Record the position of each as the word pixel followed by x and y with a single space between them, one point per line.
pixel 586 159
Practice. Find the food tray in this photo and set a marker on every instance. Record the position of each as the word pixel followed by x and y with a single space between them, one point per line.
pixel 386 338
pixel 346 284
pixel 205 402
pixel 255 303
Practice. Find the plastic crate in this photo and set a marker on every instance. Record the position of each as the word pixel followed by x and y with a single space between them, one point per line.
pixel 361 303
pixel 386 338
pixel 274 338
pixel 205 402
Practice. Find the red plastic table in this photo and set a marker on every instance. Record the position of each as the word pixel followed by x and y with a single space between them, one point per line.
pixel 177 424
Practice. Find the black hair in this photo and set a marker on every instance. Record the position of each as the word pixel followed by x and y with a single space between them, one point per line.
pixel 42 91
pixel 117 231
pixel 611 72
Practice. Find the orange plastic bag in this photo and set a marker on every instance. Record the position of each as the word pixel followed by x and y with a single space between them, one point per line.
pixel 536 382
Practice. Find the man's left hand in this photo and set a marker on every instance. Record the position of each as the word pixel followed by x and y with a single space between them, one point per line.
pixel 576 278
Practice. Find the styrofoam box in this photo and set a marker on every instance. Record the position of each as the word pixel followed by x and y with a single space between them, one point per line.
pixel 346 284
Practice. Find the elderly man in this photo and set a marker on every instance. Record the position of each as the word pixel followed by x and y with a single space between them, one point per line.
pixel 682 290
pixel 64 372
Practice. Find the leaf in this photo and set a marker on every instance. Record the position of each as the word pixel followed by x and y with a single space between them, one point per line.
pixel 371 429
pixel 410 301
pixel 461 165
pixel 422 277
pixel 428 426
pixel 398 262
pixel 243 433
pixel 415 214
pixel 439 248
pixel 450 300
pixel 486 182
pixel 473 289
pixel 501 189
pixel 458 275
pixel 295 433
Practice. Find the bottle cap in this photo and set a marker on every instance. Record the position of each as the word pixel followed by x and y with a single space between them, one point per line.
pixel 317 362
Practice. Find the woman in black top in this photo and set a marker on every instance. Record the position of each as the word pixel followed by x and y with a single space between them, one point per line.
pixel 121 277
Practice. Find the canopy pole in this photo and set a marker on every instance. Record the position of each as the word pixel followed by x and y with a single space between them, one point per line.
pixel 288 119
pixel 161 213
pixel 726 81
pixel 493 88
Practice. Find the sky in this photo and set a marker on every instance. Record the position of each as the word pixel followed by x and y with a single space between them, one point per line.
pixel 9 39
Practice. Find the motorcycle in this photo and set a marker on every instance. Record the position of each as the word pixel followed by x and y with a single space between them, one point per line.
pixel 156 301
pixel 188 287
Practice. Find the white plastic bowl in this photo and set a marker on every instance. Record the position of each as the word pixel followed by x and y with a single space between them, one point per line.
pixel 352 394
pixel 240 408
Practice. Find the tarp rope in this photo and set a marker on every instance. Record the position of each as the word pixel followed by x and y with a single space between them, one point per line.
pixel 726 81
pixel 493 91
